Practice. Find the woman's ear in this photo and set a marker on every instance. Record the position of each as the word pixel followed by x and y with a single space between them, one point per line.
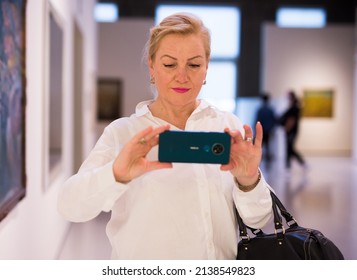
pixel 151 67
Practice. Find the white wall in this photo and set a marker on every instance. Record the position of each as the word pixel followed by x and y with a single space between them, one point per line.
pixel 355 98
pixel 313 58
pixel 120 55
pixel 33 229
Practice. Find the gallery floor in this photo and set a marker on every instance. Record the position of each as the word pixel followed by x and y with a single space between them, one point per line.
pixel 323 196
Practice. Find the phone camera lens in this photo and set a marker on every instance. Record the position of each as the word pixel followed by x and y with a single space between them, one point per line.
pixel 217 149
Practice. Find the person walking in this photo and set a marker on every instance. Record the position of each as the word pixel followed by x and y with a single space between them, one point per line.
pixel 290 120
pixel 267 117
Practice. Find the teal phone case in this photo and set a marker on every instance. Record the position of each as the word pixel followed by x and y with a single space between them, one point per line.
pixel 194 147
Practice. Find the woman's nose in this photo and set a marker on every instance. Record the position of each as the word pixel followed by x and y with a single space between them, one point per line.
pixel 181 75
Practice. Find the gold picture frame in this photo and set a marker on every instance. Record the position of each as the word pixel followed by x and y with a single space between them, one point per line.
pixel 318 103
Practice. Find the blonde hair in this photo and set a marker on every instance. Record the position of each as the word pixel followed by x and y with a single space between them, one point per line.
pixel 179 23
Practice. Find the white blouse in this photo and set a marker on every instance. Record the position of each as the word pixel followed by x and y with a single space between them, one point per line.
pixel 185 212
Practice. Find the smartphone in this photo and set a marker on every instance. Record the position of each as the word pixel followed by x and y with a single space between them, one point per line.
pixel 194 147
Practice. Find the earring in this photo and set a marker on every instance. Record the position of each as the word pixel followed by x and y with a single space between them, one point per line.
pixel 204 82
pixel 152 80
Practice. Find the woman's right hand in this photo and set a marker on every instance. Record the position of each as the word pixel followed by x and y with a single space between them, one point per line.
pixel 132 162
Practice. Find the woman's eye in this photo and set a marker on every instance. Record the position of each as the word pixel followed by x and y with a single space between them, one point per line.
pixel 195 65
pixel 169 65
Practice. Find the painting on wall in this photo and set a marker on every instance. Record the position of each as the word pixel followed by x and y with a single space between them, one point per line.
pixel 318 103
pixel 12 104
pixel 108 99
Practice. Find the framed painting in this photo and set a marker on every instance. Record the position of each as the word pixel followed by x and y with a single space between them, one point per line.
pixel 318 103
pixel 12 104
pixel 108 99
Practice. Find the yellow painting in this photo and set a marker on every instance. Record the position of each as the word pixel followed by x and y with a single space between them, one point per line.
pixel 318 103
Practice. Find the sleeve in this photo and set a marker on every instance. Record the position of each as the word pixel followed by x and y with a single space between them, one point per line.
pixel 93 189
pixel 254 207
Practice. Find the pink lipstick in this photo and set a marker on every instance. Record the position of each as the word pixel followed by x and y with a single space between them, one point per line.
pixel 180 90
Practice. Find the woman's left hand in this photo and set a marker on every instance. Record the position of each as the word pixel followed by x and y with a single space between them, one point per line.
pixel 246 154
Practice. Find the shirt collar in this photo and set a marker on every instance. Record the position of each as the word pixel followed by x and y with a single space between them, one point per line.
pixel 142 108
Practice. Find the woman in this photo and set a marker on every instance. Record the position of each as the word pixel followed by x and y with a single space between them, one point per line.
pixel 290 121
pixel 171 210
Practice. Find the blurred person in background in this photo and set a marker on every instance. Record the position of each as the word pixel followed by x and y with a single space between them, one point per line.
pixel 290 121
pixel 267 117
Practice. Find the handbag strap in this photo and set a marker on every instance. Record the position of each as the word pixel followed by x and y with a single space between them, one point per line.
pixel 242 228
pixel 289 219
pixel 277 206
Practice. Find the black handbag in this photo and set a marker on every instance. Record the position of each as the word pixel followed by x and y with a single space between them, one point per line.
pixel 293 243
